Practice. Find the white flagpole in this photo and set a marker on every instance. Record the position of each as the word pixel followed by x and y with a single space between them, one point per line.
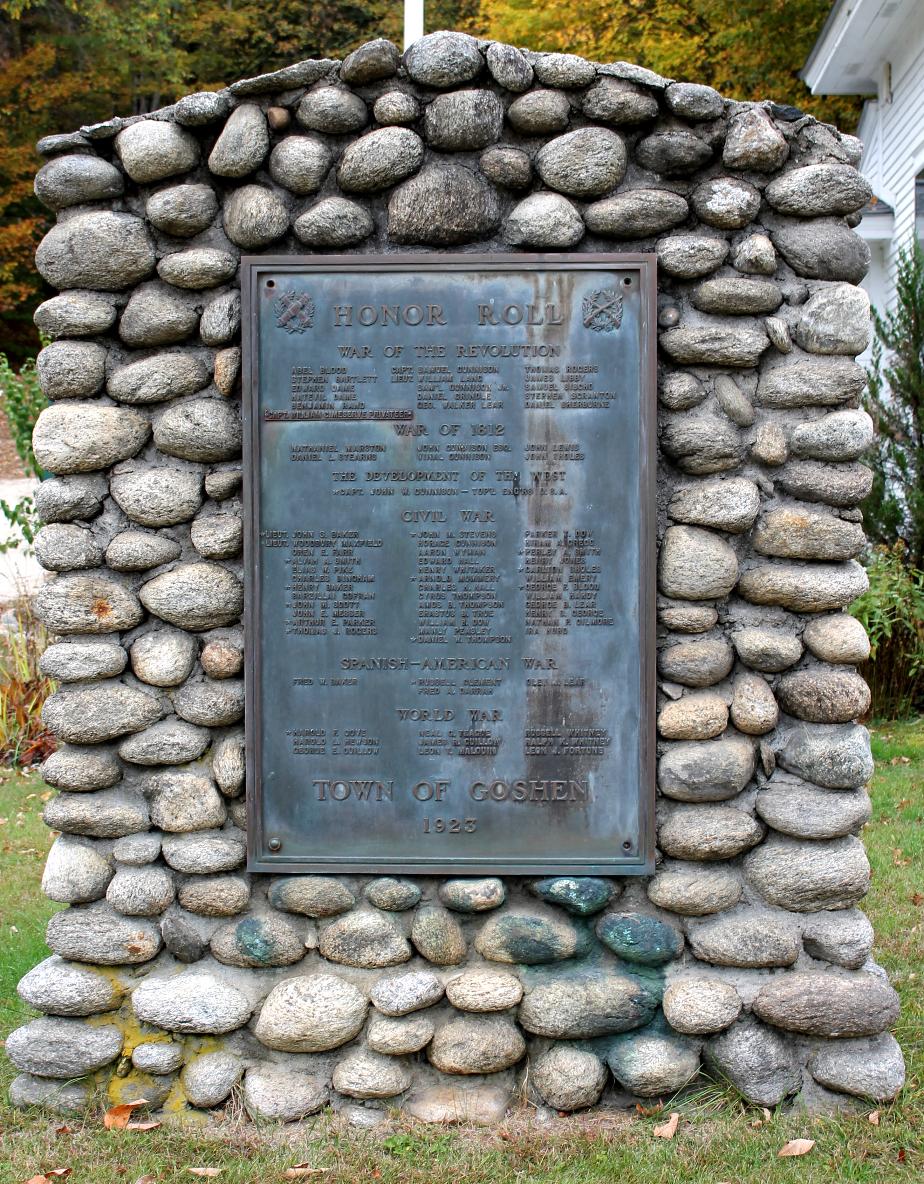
pixel 413 21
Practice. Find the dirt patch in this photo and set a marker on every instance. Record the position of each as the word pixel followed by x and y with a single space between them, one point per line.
pixel 10 465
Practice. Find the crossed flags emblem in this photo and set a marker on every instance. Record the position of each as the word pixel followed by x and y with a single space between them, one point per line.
pixel 294 311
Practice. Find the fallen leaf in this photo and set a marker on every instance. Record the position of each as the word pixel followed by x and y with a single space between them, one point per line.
pixel 766 1113
pixel 64 1130
pixel 647 1111
pixel 668 1129
pixel 873 1117
pixel 204 1171
pixel 143 1126
pixel 796 1147
pixel 901 1155
pixel 33 1179
pixel 117 1118
pixel 148 1179
pixel 60 1172
pixel 917 899
pixel 298 1170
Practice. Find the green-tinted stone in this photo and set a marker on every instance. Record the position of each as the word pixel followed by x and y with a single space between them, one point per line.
pixel 587 1005
pixel 530 939
pixel 393 895
pixel 637 938
pixel 257 941
pixel 580 895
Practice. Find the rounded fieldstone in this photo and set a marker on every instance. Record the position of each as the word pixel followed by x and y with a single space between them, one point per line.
pixel 221 484
pixel 153 149
pixel 844 937
pixel 312 1013
pixel 208 1078
pixel 756 1060
pixel 96 933
pixel 753 143
pixel 767 650
pixel 529 938
pixel 372 61
pixel 583 163
pixel 824 696
pixel 804 876
pixel 170 742
pixel 365 1074
pixel 255 216
pixel 835 320
pixel 443 204
pixel 205 852
pixel 214 896
pixel 398 1037
pixel 843 486
pixel 395 107
pixel 437 936
pixel 201 108
pixel 81 437
pixel 864 1068
pixel 156 314
pixel 581 896
pixel 217 536
pixel 79 768
pixel 693 890
pixel 183 210
pixel 819 587
pixel 840 436
pixel 221 319
pixel 75 872
pixel 71 369
pixel 637 213
pixel 102 251
pixel 75 314
pixel 141 891
pixel 746 938
pixel 716 345
pixel 202 267
pixel 708 832
pixel 62 546
pixel 619 102
pixel 838 638
pixel 222 658
pixel 509 67
pixel 195 596
pixel 804 811
pixel 380 159
pixel 800 381
pixel 274 1093
pixel 484 990
pixel 639 939
pixel 679 390
pixel 311 896
pixel 819 189
pixel 701 1006
pixel 90 715
pixel 798 533
pixel 473 896
pixel 689 256
pixel 391 894
pixel 770 446
pixel 564 69
pixel 137 850
pixel 710 771
pixel 823 249
pixel 692 101
pixel 737 297
pixel 404 993
pixel 508 167
pixel 540 113
pixel 733 401
pixel 203 430
pixel 73 180
pixel 183 938
pixel 686 617
pixel 726 202
pixel 755 255
pixel 184 801
pixel 195 1002
pixel 442 60
pixel 364 938
pixel 675 152
pixel 300 164
pixel 696 663
pixel 333 222
pixel 695 564
pixel 158 378
pixel 470 1046
pixel 753 709
pixel 464 120
pixel 332 110
pixel 257 941
pixel 544 220
pixel 587 1004
pixel 159 1058
pixel 819 1004
pixel 53 1047
pixel 730 505
pixel 157 497
pixel 163 658
pixel 228 763
pixel 243 144
pixel 835 757
pixel 212 704
pixel 568 1078
pixel 227 370
pixel 653 1063
pixel 693 717
pixel 57 987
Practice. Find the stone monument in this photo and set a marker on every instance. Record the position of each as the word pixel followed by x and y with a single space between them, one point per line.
pixel 177 975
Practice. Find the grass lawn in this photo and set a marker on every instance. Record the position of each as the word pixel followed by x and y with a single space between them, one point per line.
pixel 718 1141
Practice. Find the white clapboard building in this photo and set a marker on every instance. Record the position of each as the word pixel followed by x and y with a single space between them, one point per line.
pixel 876 48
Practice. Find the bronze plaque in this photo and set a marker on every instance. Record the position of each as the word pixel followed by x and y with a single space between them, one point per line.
pixel 450 538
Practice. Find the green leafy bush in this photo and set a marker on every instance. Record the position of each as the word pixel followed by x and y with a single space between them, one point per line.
pixel 22 399
pixel 892 612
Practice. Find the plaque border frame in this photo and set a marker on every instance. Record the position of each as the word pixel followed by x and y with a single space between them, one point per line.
pixel 259 858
